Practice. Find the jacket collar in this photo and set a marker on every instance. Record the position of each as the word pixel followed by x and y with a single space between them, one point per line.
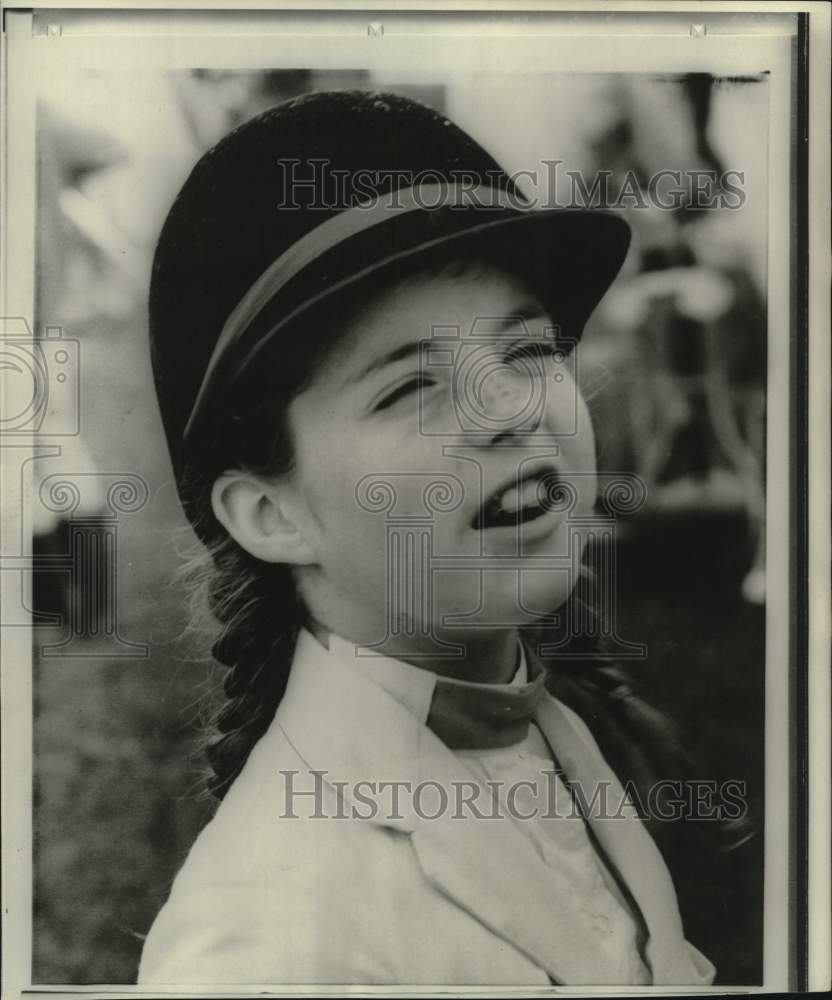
pixel 351 729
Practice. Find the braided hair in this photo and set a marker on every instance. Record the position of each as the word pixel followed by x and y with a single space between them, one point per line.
pixel 251 609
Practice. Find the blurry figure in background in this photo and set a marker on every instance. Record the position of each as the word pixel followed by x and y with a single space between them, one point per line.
pixel 71 251
pixel 690 372
pixel 694 312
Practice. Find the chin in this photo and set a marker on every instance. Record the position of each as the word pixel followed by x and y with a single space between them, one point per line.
pixel 493 599
pixel 544 591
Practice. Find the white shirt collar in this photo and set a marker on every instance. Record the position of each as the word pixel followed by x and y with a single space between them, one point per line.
pixel 411 686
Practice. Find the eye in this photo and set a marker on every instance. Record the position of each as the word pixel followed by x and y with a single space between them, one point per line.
pixel 402 391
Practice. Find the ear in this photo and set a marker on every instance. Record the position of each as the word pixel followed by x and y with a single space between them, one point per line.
pixel 260 517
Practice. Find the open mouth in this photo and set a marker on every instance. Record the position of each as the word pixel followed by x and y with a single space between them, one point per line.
pixel 519 501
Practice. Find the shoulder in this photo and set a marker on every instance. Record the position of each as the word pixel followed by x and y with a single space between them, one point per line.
pixel 267 890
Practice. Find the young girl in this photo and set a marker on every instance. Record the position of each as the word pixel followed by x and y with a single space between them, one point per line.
pixel 363 343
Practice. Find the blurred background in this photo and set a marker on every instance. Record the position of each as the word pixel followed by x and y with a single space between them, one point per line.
pixel 673 363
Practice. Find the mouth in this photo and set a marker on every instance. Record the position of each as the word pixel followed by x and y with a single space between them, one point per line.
pixel 520 500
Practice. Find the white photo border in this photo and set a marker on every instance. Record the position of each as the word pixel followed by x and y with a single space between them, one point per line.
pixel 95 35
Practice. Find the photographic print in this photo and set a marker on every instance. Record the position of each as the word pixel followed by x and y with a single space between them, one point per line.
pixel 399 451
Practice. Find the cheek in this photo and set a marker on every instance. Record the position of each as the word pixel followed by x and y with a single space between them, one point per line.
pixel 345 486
pixel 572 423
pixel 356 472
pixel 329 483
pixel 327 451
pixel 569 418
pixel 586 435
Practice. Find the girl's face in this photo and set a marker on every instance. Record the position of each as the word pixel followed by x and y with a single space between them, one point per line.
pixel 425 449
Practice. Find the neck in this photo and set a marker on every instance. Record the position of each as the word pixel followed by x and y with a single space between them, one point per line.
pixel 490 657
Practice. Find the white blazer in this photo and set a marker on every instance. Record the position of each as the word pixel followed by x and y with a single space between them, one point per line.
pixel 396 899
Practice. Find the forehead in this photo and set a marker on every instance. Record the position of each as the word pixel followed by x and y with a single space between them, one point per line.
pixel 415 307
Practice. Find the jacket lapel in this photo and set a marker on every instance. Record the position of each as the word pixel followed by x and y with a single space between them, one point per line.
pixel 352 730
pixel 491 869
pixel 631 849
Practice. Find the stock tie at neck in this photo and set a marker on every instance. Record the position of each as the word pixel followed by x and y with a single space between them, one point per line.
pixel 471 716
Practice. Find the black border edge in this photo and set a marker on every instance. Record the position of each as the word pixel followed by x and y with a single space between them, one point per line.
pixel 799 517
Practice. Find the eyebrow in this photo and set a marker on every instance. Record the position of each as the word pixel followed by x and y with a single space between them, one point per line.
pixel 524 312
pixel 397 354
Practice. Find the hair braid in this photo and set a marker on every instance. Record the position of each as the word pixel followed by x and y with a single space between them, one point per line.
pixel 254 613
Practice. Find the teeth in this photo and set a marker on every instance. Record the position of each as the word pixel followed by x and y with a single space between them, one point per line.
pixel 515 505
pixel 526 496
